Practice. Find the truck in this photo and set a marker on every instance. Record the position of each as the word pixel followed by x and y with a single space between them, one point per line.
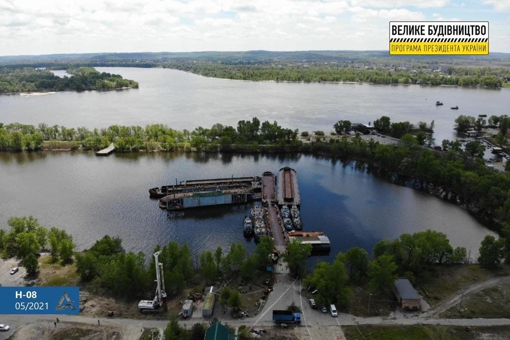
pixel 286 316
pixel 187 309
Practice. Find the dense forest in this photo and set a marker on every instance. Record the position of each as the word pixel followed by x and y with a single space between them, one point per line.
pixel 42 80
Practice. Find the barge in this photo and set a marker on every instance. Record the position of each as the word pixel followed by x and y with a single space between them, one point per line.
pixel 207 197
pixel 205 184
pixel 288 189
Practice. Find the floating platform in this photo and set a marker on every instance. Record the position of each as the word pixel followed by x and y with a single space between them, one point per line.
pixel 318 240
pixel 288 189
pixel 205 198
pixel 106 151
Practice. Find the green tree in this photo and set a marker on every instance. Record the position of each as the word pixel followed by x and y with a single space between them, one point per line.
pixel 296 256
pixel 218 255
pixel 87 265
pixel 66 250
pixel 31 264
pixel 356 263
pixel 27 244
pixel 382 124
pixel 225 295
pixel 475 149
pixel 234 260
pixel 382 273
pixel 491 252
pixel 197 332
pixel 234 300
pixel 464 123
pixel 208 266
pixel 249 267
pixel 459 255
pixel 330 280
pixel 173 331
pixel 263 252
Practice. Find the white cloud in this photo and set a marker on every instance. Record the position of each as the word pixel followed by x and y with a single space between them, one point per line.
pixel 499 5
pixel 73 26
pixel 400 3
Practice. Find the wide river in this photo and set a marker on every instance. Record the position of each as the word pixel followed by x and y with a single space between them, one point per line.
pixel 91 197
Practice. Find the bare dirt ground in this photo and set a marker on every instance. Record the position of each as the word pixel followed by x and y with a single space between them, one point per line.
pixel 6 279
pixel 68 330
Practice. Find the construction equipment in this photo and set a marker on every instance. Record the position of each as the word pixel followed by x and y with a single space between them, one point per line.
pixel 152 306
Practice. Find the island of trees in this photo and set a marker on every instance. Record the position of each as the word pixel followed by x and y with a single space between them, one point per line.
pixel 301 66
pixel 16 80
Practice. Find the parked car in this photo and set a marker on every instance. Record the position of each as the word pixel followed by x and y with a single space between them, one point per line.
pixel 333 310
pixel 14 270
pixel 4 328
pixel 324 309
pixel 313 304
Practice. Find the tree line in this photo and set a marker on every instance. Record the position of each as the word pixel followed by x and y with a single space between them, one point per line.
pixel 247 135
pixel 333 72
pixel 42 80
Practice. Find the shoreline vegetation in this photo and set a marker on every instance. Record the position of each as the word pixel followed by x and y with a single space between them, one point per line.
pixel 43 81
pixel 372 67
pixel 454 172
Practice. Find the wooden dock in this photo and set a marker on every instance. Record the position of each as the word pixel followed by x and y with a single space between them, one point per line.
pixel 106 151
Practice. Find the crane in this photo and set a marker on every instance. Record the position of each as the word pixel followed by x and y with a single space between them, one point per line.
pixel 160 295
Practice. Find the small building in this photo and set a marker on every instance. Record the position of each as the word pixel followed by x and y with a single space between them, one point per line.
pixel 406 295
pixel 471 133
pixel 218 332
pixel 210 298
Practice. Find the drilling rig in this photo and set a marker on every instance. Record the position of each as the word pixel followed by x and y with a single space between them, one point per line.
pixel 152 306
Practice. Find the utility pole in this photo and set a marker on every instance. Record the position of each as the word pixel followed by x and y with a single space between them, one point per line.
pixel 369 296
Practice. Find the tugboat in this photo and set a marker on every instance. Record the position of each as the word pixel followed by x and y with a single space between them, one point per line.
pixel 287 223
pixel 285 211
pixel 438 103
pixel 297 224
pixel 296 219
pixel 259 226
pixel 454 107
pixel 247 226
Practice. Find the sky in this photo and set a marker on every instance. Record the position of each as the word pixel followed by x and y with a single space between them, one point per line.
pixel 34 27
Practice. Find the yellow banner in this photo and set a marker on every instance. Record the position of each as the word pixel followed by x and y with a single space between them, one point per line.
pixel 439 48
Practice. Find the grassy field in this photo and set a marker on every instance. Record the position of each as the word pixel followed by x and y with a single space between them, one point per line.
pixel 424 332
pixel 493 302
pixel 446 281
pixel 53 274
pixel 506 84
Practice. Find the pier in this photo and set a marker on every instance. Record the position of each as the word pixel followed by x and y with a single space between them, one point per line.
pixel 275 192
pixel 106 151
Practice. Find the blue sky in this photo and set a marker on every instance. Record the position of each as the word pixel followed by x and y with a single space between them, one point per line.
pixel 79 26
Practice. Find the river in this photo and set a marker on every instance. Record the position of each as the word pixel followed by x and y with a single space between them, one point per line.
pixel 91 197
pixel 185 101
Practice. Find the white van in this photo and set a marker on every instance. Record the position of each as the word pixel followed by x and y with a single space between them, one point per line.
pixel 332 308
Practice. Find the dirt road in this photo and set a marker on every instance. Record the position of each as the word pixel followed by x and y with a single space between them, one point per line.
pixel 443 307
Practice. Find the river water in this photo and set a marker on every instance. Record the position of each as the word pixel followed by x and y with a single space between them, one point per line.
pixel 93 196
